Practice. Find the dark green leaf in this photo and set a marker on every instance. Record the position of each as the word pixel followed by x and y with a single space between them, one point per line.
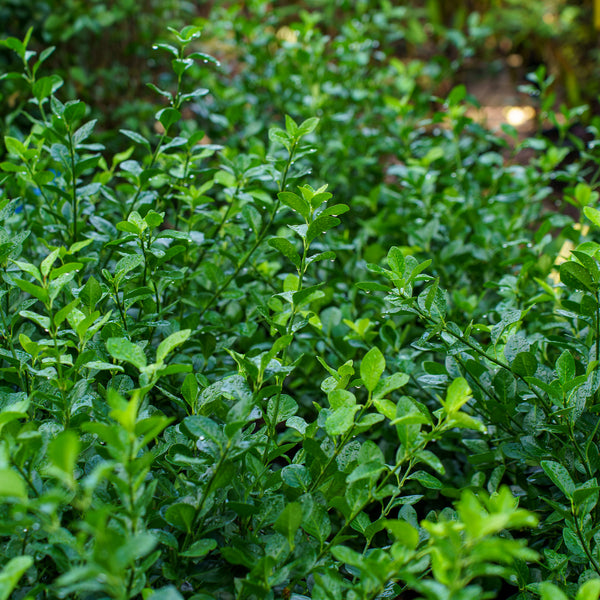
pixel 575 276
pixel 287 249
pixel 524 364
pixel 559 476
pixel 180 516
pixel 295 202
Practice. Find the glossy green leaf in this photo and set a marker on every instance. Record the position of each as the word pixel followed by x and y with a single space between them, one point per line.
pixel 287 249
pixel 395 260
pixel 320 225
pixel 170 343
pixel 559 476
pixel 372 367
pixel 575 276
pixel 341 420
pixel 458 394
pixel 565 367
pixel 181 516
pixel 295 202
pixel 524 364
pixel 288 522
pixel 168 117
pixel 426 480
pixel 368 470
pixel 122 349
pixel 296 476
pixel 593 214
pixel 200 548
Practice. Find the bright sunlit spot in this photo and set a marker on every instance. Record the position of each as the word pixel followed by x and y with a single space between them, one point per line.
pixel 286 34
pixel 517 115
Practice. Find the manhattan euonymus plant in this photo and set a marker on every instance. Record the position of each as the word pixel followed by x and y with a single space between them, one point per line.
pixel 198 401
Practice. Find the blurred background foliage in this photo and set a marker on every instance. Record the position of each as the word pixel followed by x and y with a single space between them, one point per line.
pixel 103 48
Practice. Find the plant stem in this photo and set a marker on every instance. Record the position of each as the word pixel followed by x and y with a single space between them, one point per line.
pixel 259 240
pixel 74 200
pixel 584 544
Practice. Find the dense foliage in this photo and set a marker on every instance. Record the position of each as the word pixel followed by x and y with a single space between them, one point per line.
pixel 312 333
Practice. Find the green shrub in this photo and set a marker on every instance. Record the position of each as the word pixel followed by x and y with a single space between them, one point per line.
pixel 206 394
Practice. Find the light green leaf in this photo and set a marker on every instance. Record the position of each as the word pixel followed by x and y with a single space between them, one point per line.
pixel 136 137
pixel 170 343
pixel 593 214
pixel 339 398
pixel 386 407
pixel 590 590
pixel 100 365
pixel 347 555
pixel 457 395
pixel 395 260
pixel 565 367
pixel 47 263
pixel 549 591
pixel 372 368
pixel 63 451
pixel 288 522
pixel 14 146
pixel 33 290
pixel 465 421
pixel 122 349
pixel 11 484
pixel 189 389
pixel 426 480
pixel 403 532
pixel 168 592
pixel 389 384
pixel 366 470
pixel 340 420
pixel 12 572
pixel 43 322
pixel 290 126
pixel 307 126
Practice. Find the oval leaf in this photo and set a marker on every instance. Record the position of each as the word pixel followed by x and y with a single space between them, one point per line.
pixel 372 368
pixel 559 476
pixel 122 349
